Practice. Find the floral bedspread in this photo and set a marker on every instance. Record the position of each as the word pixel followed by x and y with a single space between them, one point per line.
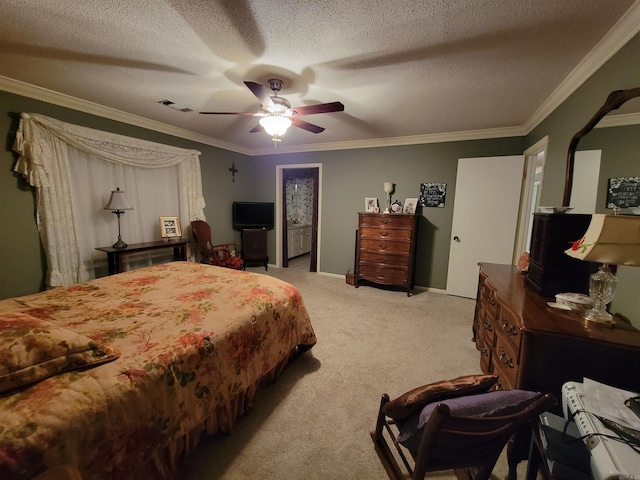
pixel 191 337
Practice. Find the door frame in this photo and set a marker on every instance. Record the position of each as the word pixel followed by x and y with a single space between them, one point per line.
pixel 531 157
pixel 280 220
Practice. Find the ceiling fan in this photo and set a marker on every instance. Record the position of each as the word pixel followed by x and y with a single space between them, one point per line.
pixel 277 115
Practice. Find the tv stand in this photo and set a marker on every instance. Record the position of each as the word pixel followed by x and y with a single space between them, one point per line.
pixel 254 247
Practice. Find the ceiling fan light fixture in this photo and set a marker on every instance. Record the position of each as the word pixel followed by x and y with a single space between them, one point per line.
pixel 275 125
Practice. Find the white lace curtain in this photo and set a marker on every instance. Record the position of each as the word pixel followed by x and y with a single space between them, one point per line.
pixel 74 169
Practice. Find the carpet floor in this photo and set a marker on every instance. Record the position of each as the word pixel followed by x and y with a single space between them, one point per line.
pixel 314 422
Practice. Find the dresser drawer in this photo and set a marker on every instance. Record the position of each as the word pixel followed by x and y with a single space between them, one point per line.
pixel 384 233
pixel 488 298
pixel 384 275
pixel 384 259
pixel 386 247
pixel 484 344
pixel 506 377
pixel 509 327
pixel 505 355
pixel 389 221
pixel 486 324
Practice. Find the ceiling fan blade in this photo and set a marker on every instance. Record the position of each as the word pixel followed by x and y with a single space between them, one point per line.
pixel 261 93
pixel 322 108
pixel 310 127
pixel 258 128
pixel 227 113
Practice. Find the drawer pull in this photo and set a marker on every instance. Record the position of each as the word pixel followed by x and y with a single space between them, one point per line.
pixel 504 358
pixel 384 233
pixel 491 300
pixel 507 327
pixel 484 350
pixel 486 325
pixel 383 246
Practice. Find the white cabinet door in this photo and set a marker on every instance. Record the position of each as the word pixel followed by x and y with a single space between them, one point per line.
pixel 306 239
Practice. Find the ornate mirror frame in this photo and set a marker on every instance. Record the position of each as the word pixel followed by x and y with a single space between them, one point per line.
pixel 613 102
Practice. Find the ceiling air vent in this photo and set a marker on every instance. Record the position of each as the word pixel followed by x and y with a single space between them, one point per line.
pixel 175 106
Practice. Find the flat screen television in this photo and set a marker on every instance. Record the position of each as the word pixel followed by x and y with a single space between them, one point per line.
pixel 252 215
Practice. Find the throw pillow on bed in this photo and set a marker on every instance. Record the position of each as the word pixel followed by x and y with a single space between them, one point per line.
pixel 482 405
pixel 414 400
pixel 32 349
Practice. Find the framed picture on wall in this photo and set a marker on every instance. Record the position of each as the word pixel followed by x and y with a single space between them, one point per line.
pixel 370 204
pixel 432 194
pixel 170 227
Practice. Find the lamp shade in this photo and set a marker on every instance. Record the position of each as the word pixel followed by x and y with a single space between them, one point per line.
pixel 612 239
pixel 118 201
pixel 275 124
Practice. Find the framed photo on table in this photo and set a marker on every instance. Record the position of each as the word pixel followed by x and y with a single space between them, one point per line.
pixel 170 227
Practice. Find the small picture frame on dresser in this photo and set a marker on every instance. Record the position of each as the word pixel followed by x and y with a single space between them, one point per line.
pixel 170 227
pixel 410 205
pixel 370 204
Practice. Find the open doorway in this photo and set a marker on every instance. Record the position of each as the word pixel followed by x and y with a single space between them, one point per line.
pixel 297 215
pixel 534 158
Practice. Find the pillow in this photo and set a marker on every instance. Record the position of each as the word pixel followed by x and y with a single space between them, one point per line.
pixel 413 401
pixel 492 404
pixel 32 349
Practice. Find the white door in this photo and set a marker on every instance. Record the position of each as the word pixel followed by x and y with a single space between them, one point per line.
pixel 485 217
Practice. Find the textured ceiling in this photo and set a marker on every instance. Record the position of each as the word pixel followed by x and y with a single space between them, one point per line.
pixel 405 70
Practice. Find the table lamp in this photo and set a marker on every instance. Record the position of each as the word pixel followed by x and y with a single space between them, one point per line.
pixel 609 240
pixel 118 203
pixel 388 189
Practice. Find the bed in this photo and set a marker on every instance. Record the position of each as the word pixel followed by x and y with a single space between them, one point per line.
pixel 121 375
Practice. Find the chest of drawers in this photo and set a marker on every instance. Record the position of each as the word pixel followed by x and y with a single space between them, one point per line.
pixel 385 253
pixel 532 346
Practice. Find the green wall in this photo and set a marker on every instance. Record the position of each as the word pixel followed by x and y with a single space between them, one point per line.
pixel 348 177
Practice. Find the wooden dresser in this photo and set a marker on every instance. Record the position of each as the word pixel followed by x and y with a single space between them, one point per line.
pixel 532 346
pixel 385 249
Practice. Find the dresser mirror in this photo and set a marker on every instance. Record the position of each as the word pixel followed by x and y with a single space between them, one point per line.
pixel 619 158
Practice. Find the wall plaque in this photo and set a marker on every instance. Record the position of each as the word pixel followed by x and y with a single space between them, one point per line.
pixel 432 194
pixel 623 192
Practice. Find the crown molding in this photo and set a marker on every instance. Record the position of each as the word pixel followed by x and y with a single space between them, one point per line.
pixel 67 101
pixel 398 141
pixel 39 93
pixel 623 31
pixel 621 120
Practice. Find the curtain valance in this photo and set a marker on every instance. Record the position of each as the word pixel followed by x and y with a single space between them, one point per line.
pixel 43 143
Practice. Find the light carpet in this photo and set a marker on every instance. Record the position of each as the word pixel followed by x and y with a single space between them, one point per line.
pixel 314 422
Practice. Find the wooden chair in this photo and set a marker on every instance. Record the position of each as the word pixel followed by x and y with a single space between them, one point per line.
pixel 223 255
pixel 468 445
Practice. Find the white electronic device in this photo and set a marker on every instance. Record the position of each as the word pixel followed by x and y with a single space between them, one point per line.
pixel 610 458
